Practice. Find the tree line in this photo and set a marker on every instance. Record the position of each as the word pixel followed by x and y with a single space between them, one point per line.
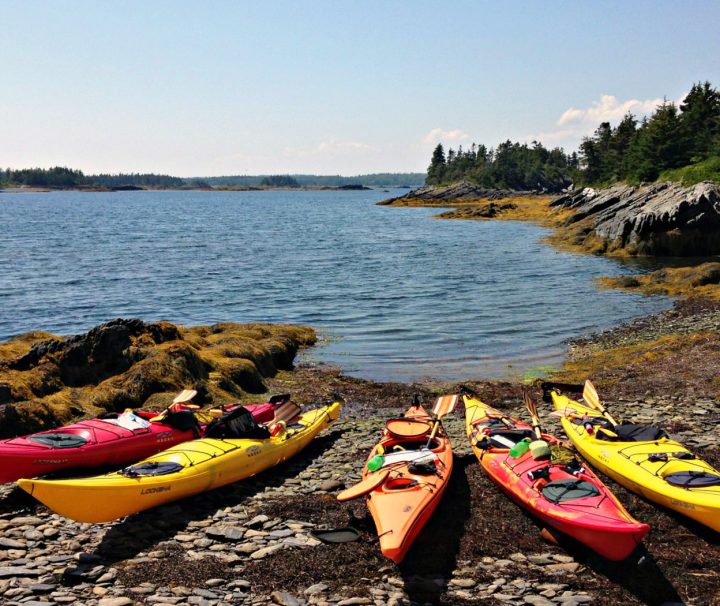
pixel 674 142
pixel 61 177
pixel 66 178
pixel 509 166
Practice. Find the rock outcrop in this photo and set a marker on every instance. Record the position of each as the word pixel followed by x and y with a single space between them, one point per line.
pixel 662 219
pixel 456 192
pixel 47 380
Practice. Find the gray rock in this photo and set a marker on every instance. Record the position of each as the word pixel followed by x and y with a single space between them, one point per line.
pixel 315 589
pixel 18 571
pixel 115 602
pixel 643 217
pixel 284 599
pixel 265 551
pixel 7 543
pixel 329 485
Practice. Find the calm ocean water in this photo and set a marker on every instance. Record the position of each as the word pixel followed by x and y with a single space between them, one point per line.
pixel 397 294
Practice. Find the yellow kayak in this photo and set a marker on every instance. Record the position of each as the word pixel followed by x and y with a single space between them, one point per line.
pixel 182 471
pixel 641 458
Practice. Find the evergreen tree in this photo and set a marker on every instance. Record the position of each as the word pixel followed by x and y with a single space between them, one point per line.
pixel 436 170
pixel 700 120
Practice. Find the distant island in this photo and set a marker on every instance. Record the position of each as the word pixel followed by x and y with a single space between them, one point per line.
pixel 59 178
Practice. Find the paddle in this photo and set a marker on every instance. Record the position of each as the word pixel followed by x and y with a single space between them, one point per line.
pixel 443 406
pixel 183 398
pixel 489 410
pixel 284 413
pixel 532 409
pixel 590 395
pixel 365 486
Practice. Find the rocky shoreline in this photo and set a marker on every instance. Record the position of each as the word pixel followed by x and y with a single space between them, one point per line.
pixel 659 219
pixel 251 543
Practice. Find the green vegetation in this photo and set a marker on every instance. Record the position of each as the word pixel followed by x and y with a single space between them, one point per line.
pixel 279 181
pixel 136 179
pixel 675 143
pixel 679 143
pixel 57 177
pixel 511 166
pixel 65 178
pixel 372 180
pixel 706 170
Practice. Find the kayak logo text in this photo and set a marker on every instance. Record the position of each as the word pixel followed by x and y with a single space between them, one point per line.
pixel 155 490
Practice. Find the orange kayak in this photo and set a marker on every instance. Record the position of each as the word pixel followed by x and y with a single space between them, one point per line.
pixel 403 480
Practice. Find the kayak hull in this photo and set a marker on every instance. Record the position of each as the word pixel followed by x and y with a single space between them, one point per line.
pixel 627 463
pixel 105 445
pixel 404 501
pixel 598 521
pixel 203 465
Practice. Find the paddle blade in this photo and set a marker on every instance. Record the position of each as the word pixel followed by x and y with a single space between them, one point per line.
pixel 185 396
pixel 565 412
pixel 590 395
pixel 444 405
pixel 532 409
pixel 530 404
pixel 364 486
pixel 286 411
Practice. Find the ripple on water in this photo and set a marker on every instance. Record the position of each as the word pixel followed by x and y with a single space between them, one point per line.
pixel 400 295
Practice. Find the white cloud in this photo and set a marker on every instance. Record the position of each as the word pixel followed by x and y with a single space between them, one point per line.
pixel 438 135
pixel 607 109
pixel 575 123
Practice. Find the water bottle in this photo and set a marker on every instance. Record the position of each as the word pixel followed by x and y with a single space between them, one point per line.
pixel 520 448
pixel 376 462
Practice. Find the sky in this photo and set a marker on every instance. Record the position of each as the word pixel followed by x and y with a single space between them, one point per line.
pixel 330 87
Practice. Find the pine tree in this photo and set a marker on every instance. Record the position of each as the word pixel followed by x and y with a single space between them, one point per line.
pixel 436 170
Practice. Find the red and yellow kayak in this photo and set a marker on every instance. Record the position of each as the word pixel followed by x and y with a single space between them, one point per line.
pixel 113 440
pixel 403 480
pixel 566 496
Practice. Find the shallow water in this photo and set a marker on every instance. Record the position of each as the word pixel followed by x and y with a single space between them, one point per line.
pixel 397 294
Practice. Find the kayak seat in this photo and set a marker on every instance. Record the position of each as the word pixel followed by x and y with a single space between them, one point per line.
pixel 559 491
pixel 183 420
pixel 161 468
pixel 59 440
pixel 693 479
pixel 632 432
pixel 507 438
pixel 236 424
pixel 412 445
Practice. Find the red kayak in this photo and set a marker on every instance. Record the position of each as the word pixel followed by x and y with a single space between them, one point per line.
pixel 566 496
pixel 111 440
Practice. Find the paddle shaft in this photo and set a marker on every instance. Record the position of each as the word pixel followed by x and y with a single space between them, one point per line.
pixel 593 400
